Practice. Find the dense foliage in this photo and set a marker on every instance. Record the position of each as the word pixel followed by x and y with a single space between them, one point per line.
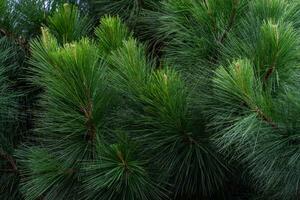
pixel 149 100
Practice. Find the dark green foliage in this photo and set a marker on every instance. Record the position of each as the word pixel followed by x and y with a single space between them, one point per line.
pixel 30 15
pixel 8 126
pixel 4 13
pixel 14 105
pixel 22 18
pixel 195 30
pixel 128 10
pixel 46 176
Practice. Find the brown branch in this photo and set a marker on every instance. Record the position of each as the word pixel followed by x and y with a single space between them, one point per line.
pixel 8 170
pixel 210 14
pixel 269 73
pixel 10 160
pixel 140 3
pixel 4 32
pixel 270 70
pixel 214 57
pixel 265 117
pixel 231 20
pixel 188 139
pixel 70 171
pixel 91 128
pixel 88 113
pixel 124 163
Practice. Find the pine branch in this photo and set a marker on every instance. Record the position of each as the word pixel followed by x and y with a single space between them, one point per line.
pixel 265 117
pixel 124 162
pixel 70 171
pixel 270 70
pixel 4 32
pixel 10 160
pixel 188 139
pixel 91 128
pixel 8 171
pixel 140 3
pixel 231 21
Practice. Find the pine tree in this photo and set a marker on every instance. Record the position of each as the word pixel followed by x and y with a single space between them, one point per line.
pixel 149 100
